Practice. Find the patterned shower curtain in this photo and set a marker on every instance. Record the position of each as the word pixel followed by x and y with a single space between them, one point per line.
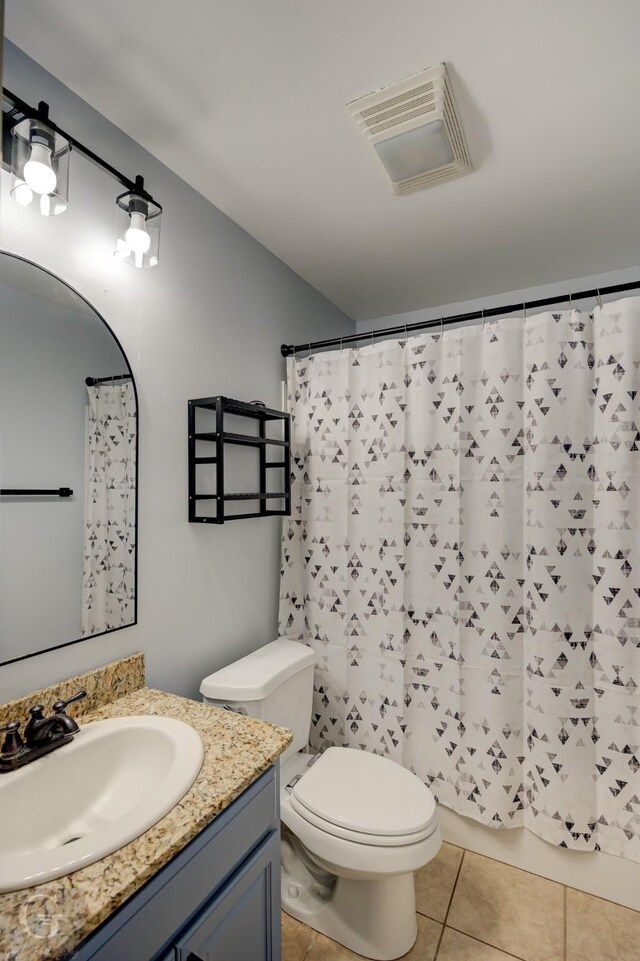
pixel 108 584
pixel 464 557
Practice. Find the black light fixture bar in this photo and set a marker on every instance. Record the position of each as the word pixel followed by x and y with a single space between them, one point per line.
pixel 33 492
pixel 287 349
pixel 42 110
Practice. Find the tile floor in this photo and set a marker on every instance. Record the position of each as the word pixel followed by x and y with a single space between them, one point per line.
pixel 471 908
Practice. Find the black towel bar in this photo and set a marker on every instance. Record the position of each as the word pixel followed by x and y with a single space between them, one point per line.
pixel 29 492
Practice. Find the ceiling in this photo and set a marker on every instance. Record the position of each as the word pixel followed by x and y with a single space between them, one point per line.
pixel 245 99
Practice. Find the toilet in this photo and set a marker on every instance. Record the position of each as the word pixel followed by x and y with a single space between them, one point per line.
pixel 355 825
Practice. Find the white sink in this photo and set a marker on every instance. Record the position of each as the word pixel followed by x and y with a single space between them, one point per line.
pixel 92 796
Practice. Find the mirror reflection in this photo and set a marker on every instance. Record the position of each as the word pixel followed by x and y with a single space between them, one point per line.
pixel 68 445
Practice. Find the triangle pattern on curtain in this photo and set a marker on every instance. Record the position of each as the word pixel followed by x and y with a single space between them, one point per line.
pixel 463 555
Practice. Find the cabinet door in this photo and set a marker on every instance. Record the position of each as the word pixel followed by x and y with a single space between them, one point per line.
pixel 243 921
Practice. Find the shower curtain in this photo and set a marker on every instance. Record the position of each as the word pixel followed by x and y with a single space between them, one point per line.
pixel 463 556
pixel 108 584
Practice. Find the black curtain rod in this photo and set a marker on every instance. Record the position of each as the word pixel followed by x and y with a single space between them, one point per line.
pixel 288 349
pixel 94 381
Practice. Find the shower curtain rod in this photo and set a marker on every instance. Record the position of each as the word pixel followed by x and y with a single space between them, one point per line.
pixel 288 349
pixel 94 381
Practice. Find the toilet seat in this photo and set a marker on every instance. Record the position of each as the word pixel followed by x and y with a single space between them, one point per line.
pixel 364 798
pixel 359 837
pixel 349 857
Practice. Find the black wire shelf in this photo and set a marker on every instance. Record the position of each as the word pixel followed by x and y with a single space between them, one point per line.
pixel 245 439
pixel 216 408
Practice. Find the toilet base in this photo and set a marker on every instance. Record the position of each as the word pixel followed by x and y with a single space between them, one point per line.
pixel 376 918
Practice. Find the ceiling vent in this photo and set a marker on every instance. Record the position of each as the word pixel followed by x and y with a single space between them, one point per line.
pixel 414 128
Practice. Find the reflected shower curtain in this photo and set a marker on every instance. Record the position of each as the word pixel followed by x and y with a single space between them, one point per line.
pixel 463 556
pixel 108 585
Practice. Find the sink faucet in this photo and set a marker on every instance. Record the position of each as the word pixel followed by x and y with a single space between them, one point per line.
pixel 41 734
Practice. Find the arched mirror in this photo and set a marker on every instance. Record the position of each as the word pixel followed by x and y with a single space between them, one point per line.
pixel 68 465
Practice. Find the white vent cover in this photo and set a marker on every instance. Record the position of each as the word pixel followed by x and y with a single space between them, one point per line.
pixel 414 128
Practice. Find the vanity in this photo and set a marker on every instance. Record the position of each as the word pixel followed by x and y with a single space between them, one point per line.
pixel 194 874
pixel 197 876
pixel 202 884
pixel 218 899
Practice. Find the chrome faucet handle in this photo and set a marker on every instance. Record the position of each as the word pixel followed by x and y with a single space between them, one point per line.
pixel 13 743
pixel 60 706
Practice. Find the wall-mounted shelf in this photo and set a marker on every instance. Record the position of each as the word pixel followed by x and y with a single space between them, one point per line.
pixel 273 454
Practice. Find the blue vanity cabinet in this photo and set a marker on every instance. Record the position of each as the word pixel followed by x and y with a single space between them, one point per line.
pixel 237 924
pixel 217 900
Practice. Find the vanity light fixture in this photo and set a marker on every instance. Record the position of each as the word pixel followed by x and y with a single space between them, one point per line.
pixel 40 167
pixel 40 164
pixel 137 227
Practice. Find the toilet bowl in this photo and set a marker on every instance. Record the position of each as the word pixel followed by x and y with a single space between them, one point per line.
pixel 356 826
pixel 369 824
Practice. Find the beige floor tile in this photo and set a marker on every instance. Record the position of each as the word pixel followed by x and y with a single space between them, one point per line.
pixel 460 947
pixel 435 882
pixel 427 942
pixel 323 949
pixel 296 938
pixel 599 930
pixel 510 909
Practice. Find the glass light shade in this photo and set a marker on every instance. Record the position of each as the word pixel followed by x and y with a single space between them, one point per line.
pixel 137 230
pixel 40 167
pixel 416 151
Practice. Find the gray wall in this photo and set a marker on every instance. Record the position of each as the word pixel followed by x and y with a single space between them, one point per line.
pixel 208 320
pixel 627 275
pixel 46 351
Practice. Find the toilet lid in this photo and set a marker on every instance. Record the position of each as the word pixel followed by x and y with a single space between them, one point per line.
pixel 366 793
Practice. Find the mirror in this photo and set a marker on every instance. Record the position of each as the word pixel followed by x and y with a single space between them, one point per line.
pixel 68 460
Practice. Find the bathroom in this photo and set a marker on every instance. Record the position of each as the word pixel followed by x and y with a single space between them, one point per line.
pixel 444 593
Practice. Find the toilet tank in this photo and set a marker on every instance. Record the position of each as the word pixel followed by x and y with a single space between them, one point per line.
pixel 275 683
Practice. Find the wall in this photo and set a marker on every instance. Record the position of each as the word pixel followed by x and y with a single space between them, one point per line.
pixel 46 351
pixel 208 320
pixel 562 287
pixel 601 874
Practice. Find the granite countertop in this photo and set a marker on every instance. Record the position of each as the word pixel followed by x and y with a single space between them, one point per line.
pixel 46 922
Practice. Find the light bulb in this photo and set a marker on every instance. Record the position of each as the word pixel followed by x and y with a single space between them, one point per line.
pixel 22 193
pixel 122 251
pixel 137 236
pixel 38 171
